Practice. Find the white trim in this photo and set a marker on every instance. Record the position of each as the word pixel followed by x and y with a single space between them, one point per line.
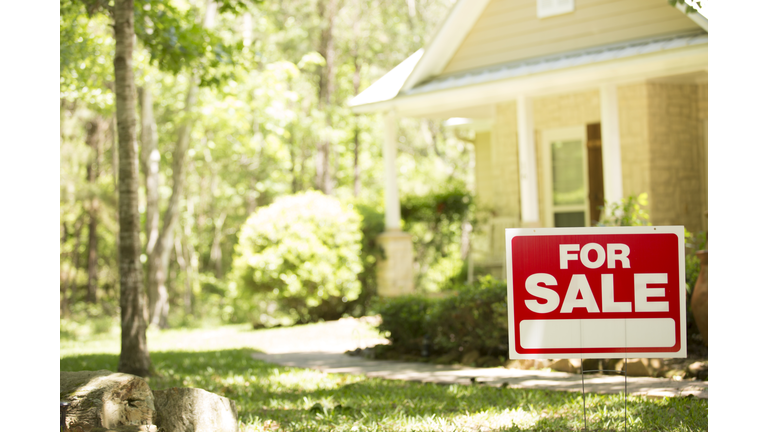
pixel 696 17
pixel 613 188
pixel 460 123
pixel 446 41
pixel 526 146
pixel 548 8
pixel 625 70
pixel 562 134
pixel 388 86
pixel 391 195
pixel 510 233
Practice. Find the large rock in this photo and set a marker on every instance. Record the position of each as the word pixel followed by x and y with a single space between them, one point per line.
pixel 641 367
pixel 191 409
pixel 526 364
pixel 105 399
pixel 566 365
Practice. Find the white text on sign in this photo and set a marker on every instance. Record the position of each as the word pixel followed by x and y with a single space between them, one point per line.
pixel 579 293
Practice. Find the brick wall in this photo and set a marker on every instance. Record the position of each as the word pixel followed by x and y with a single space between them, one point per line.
pixel 674 137
pixel 483 169
pixel 633 135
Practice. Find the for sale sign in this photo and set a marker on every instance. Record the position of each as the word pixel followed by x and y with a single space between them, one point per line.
pixel 596 292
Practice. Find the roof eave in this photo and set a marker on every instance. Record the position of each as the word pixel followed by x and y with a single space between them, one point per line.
pixel 695 16
pixel 677 61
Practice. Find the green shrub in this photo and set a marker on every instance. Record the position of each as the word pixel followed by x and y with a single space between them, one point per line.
pixel 298 260
pixel 372 225
pixel 629 211
pixel 404 321
pixel 474 318
pixel 435 221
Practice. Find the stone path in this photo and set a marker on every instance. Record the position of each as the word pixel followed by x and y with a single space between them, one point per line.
pixel 322 348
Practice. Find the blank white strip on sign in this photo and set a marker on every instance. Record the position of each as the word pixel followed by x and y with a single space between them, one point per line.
pixel 598 333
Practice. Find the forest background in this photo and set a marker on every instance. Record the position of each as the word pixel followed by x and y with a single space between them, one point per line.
pixel 238 103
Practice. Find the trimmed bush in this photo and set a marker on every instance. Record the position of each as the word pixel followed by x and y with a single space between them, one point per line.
pixel 473 318
pixel 404 321
pixel 435 220
pixel 298 260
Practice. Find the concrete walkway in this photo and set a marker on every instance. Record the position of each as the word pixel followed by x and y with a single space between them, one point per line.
pixel 330 358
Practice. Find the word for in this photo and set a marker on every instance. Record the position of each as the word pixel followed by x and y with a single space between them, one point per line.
pixel 616 252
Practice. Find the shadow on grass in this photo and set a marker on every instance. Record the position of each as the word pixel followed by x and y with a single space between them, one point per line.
pixel 272 397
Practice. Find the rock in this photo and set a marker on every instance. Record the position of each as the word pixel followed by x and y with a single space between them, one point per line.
pixel 470 358
pixel 450 358
pixel 105 399
pixel 526 364
pixel 675 374
pixel 640 367
pixel 192 409
pixel 591 364
pixel 488 361
pixel 567 365
pixel 132 428
pixel 699 369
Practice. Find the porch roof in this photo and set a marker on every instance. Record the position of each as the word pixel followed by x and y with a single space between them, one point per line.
pixel 559 61
pixel 395 94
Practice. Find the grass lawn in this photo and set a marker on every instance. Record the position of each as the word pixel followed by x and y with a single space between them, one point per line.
pixel 271 397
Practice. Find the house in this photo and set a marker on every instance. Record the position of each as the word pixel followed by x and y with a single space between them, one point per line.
pixel 572 103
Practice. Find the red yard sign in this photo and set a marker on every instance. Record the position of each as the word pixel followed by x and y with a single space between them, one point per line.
pixel 596 292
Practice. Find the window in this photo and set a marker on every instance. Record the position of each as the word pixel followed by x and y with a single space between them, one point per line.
pixel 547 8
pixel 566 184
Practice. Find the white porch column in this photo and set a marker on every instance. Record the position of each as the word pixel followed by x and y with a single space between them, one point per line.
pixel 394 275
pixel 529 185
pixel 609 129
pixel 391 195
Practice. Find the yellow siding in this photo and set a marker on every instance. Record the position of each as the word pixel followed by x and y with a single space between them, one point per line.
pixel 505 164
pixel 509 30
pixel 483 169
pixel 498 188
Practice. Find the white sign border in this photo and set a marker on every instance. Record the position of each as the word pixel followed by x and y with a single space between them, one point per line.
pixel 678 230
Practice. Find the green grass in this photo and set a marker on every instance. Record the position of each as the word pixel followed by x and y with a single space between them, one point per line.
pixel 271 397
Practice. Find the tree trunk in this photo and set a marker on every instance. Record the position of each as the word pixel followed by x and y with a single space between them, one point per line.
pixel 327 11
pixel 159 260
pixel 150 161
pixel 356 140
pixel 216 246
pixel 96 129
pixel 68 292
pixel 134 354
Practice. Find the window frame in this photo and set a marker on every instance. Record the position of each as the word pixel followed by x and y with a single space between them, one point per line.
pixel 548 136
